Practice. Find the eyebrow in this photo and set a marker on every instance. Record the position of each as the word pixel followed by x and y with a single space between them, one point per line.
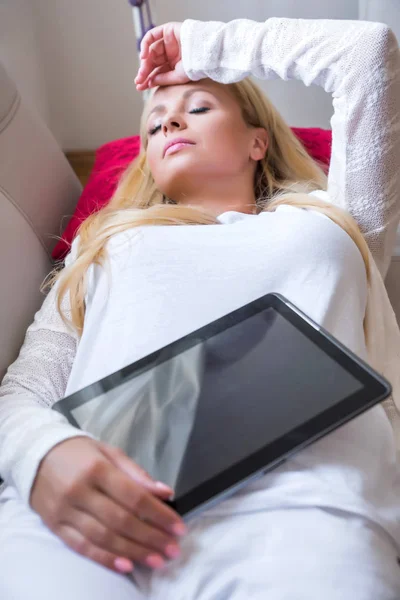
pixel 161 107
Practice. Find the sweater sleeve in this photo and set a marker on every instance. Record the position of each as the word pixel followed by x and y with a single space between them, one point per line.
pixel 358 62
pixel 31 385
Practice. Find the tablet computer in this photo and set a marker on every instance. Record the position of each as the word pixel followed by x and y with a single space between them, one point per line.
pixel 228 402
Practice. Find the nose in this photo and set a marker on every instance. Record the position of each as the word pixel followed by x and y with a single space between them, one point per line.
pixel 172 123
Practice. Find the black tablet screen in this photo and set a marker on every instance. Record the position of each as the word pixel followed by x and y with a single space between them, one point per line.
pixel 193 416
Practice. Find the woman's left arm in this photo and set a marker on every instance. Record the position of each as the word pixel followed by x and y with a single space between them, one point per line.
pixel 359 63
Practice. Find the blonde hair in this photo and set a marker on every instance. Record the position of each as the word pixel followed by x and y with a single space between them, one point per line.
pixel 286 175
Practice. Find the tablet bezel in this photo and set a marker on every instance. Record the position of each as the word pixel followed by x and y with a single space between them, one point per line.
pixel 375 389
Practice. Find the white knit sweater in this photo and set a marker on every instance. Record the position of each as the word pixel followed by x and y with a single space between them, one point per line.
pixel 359 63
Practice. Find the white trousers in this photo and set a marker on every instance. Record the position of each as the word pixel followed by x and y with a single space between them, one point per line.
pixel 288 554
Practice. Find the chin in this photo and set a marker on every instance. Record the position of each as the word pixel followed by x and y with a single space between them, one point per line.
pixel 179 179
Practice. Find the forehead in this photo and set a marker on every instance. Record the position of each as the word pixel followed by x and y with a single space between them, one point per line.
pixel 173 93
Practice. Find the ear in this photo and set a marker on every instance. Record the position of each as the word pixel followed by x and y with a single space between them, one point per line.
pixel 259 143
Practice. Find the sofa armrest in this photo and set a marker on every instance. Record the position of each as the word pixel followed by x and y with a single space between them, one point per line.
pixel 38 192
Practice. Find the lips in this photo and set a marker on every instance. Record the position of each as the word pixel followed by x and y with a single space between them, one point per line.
pixel 177 141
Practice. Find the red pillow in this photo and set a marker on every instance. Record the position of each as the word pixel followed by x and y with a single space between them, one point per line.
pixel 112 159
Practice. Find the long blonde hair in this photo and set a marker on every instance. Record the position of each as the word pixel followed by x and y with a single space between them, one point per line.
pixel 286 175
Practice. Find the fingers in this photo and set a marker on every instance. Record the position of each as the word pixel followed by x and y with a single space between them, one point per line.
pixel 146 70
pixel 150 80
pixel 158 53
pixel 138 500
pixel 129 526
pixel 160 48
pixel 151 63
pixel 105 529
pixel 156 57
pixel 167 77
pixel 172 44
pixel 169 32
pixel 95 536
pixel 155 34
pixel 162 78
pixel 77 542
pixel 120 460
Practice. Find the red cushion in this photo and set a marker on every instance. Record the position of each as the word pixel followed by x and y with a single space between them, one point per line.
pixel 112 159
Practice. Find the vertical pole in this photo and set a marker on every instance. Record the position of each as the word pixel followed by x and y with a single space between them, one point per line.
pixel 140 28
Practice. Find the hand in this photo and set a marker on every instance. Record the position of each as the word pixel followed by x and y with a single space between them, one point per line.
pixel 104 506
pixel 161 58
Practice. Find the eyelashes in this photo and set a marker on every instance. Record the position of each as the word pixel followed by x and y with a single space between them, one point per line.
pixel 203 109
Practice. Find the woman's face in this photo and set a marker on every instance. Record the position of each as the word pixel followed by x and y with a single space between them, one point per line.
pixel 221 145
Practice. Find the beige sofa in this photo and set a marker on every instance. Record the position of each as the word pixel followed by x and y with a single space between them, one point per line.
pixel 38 191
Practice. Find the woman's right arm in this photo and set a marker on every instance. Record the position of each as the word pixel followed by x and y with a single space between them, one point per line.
pixel 88 493
pixel 32 384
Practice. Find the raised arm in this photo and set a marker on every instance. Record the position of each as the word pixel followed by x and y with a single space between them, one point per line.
pixel 358 62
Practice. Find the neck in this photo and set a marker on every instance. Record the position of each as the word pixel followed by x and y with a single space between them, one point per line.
pixel 218 196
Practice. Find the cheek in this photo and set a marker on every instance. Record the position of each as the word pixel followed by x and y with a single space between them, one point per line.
pixel 226 141
pixel 153 159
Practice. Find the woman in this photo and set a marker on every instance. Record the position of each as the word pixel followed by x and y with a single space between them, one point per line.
pixel 77 512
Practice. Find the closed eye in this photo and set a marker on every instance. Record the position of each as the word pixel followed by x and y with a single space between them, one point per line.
pixel 202 109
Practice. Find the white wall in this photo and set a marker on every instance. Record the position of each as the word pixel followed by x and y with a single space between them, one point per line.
pixel 383 11
pixel 90 61
pixel 20 53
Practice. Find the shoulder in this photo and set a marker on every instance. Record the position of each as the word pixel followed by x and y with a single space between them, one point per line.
pixel 73 252
pixel 318 236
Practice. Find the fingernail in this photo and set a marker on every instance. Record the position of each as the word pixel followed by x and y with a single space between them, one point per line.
pixel 123 564
pixel 179 529
pixel 165 488
pixel 155 561
pixel 172 551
